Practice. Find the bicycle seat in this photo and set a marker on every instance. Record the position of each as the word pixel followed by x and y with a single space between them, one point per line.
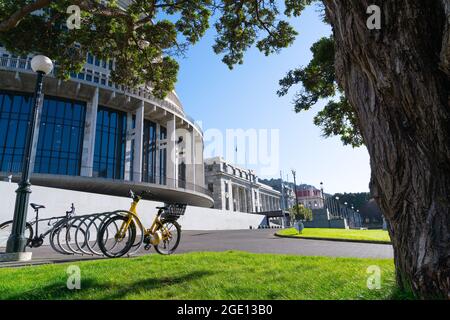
pixel 37 206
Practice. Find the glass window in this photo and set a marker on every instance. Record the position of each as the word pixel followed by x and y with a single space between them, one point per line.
pixel 149 152
pixel 60 141
pixel 90 58
pixel 14 116
pixel 60 134
pixel 109 154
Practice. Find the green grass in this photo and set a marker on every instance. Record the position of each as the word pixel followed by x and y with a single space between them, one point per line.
pixel 225 275
pixel 347 234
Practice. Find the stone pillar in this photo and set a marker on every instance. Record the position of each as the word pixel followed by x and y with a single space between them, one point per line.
pixel 251 199
pixel 90 127
pixel 128 151
pixel 199 165
pixel 244 202
pixel 230 195
pixel 190 159
pixel 158 152
pixel 171 162
pixel 138 143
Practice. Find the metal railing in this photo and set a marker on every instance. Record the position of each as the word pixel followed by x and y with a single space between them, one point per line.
pixel 100 77
pixel 339 211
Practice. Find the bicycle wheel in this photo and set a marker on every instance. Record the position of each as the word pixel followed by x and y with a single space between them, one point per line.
pixel 139 239
pixel 5 232
pixel 84 234
pixel 108 241
pixel 57 238
pixel 71 239
pixel 171 235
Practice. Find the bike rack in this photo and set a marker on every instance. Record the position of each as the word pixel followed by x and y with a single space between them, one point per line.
pixel 80 236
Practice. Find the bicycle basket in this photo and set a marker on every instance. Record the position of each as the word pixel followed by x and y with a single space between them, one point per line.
pixel 176 209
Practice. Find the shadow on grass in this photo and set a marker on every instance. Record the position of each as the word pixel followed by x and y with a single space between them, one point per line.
pixel 398 294
pixel 94 289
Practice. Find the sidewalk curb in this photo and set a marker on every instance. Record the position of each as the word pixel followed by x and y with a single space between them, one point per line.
pixel 332 239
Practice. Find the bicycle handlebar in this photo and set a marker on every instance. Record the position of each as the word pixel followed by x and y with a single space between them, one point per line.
pixel 71 212
pixel 142 194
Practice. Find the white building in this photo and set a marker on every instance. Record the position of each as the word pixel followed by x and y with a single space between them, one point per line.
pixel 237 189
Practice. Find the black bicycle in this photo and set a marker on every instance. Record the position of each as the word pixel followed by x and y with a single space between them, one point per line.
pixel 62 232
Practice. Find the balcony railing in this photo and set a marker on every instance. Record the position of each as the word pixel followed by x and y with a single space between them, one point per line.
pixel 98 76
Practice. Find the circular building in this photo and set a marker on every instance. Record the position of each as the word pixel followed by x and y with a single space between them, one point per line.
pixel 96 136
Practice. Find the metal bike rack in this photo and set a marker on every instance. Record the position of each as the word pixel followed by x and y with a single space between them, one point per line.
pixel 79 236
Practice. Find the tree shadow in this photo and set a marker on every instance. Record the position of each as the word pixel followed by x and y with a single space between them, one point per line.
pixel 105 291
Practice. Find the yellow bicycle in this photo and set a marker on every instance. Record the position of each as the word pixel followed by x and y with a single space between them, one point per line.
pixel 119 234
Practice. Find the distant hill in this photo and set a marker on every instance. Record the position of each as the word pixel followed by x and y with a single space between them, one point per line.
pixel 276 184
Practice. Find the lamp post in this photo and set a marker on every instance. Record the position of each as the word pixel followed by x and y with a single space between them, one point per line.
pixel 295 190
pixel 338 207
pixel 17 241
pixel 323 198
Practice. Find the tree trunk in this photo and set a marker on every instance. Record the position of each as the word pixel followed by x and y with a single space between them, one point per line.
pixel 398 81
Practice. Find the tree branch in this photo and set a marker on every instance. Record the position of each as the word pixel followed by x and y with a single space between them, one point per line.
pixel 260 21
pixel 17 16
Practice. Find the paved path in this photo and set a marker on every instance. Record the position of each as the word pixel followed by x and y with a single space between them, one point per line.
pixel 257 241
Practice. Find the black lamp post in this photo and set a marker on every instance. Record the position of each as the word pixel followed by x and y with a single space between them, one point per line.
pixel 321 194
pixel 295 190
pixel 17 241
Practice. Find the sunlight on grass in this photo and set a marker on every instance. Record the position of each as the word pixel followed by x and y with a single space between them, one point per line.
pixel 349 234
pixel 226 275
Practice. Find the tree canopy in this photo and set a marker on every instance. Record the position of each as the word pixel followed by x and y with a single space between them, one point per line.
pixel 302 213
pixel 145 38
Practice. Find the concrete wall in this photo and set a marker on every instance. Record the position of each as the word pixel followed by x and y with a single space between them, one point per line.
pixel 321 219
pixel 58 201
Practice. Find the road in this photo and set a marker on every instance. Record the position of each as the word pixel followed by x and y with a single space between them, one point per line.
pixel 257 241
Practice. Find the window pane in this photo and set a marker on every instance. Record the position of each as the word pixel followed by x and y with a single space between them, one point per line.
pixel 110 143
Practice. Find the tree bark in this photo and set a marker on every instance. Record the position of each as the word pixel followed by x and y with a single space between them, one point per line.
pixel 398 81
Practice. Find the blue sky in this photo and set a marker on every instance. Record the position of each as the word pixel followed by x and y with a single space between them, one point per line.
pixel 246 98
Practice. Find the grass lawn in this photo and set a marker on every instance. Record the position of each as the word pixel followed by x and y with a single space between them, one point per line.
pixel 348 234
pixel 225 275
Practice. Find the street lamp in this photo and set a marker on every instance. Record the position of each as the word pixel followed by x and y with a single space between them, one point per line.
pixel 321 191
pixel 338 207
pixel 17 241
pixel 295 190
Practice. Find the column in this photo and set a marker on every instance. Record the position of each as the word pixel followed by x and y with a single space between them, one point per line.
pixel 90 126
pixel 245 204
pixel 171 162
pixel 199 165
pixel 189 157
pixel 158 151
pixel 138 143
pixel 230 195
pixel 129 139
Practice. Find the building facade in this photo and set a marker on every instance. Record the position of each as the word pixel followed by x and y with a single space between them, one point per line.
pixel 310 197
pixel 237 189
pixel 288 197
pixel 95 135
